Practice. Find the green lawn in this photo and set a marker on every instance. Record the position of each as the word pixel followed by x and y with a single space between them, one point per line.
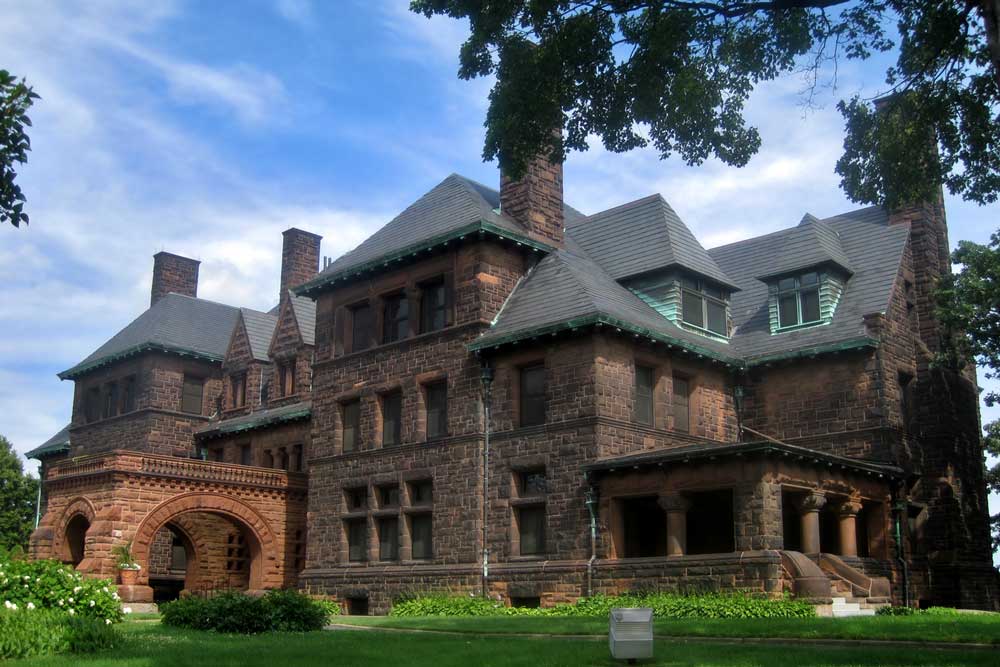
pixel 148 644
pixel 964 628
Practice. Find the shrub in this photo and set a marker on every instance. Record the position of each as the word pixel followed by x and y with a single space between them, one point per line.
pixel 47 584
pixel 239 613
pixel 664 605
pixel 940 611
pixel 25 633
pixel 895 611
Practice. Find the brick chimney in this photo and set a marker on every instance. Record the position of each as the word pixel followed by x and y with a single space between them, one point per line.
pixel 173 273
pixel 536 201
pixel 299 258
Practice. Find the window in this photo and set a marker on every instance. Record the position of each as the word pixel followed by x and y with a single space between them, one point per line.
pixel 906 412
pixel 92 404
pixel 388 496
pixel 351 425
pixel 704 305
pixel 798 300
pixel 433 306
pixel 357 540
pixel 388 538
pixel 392 408
pixel 361 327
pixel 217 454
pixel 357 499
pixel 395 317
pixel 245 454
pixel 110 399
pixel 237 559
pixel 644 378
pixel 531 529
pixel 532 395
pixel 421 493
pixel 644 525
pixel 295 460
pixel 268 458
pixel 531 483
pixel 682 404
pixel 191 394
pixel 238 386
pixel 437 410
pixel 286 378
pixel 178 554
pixel 421 536
pixel 128 394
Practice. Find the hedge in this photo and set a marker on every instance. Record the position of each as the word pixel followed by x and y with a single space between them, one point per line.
pixel 664 605
pixel 239 613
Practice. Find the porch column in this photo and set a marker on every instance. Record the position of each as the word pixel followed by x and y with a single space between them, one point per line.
pixel 809 508
pixel 676 508
pixel 848 513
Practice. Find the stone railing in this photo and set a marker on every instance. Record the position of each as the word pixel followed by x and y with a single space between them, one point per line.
pixel 181 468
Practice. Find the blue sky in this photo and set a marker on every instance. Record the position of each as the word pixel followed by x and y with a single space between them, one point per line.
pixel 206 129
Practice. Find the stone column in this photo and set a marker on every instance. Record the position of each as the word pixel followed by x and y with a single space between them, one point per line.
pixel 848 513
pixel 676 508
pixel 809 508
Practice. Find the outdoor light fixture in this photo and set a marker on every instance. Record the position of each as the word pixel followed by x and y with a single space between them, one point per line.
pixel 631 634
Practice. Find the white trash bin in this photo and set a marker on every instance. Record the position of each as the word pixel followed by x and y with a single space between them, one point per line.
pixel 631 633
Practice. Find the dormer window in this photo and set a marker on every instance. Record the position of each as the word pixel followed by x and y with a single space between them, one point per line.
pixel 704 306
pixel 798 300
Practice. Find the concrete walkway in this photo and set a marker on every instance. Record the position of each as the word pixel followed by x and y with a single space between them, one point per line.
pixel 882 643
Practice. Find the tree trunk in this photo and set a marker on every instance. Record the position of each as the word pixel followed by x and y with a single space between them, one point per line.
pixel 990 9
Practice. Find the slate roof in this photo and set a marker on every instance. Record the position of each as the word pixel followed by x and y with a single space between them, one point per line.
pixel 871 247
pixel 457 205
pixel 642 236
pixel 255 420
pixel 305 315
pixel 175 323
pixel 260 329
pixel 54 445
pixel 568 286
pixel 812 243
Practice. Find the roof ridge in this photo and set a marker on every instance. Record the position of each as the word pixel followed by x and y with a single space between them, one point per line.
pixel 619 207
pixel 192 298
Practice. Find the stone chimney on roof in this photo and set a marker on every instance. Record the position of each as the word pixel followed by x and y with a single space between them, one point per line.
pixel 536 201
pixel 173 273
pixel 299 258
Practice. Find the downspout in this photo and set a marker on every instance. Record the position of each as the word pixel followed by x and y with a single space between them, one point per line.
pixel 486 375
pixel 38 501
pixel 591 502
pixel 898 507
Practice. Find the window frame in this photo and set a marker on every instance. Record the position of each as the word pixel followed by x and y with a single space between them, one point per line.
pixel 380 526
pixel 421 517
pixel 370 326
pixel 675 404
pixel 396 397
pixel 648 399
pixel 191 380
pixel 355 427
pixel 129 394
pixel 437 416
pixel 525 403
pixel 110 398
pixel 796 291
pixel 698 288
pixel 540 536
pixel 391 325
pixel 361 524
pixel 238 387
pixel 428 312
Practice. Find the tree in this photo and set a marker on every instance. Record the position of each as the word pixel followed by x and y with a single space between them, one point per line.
pixel 675 74
pixel 16 97
pixel 18 495
pixel 969 302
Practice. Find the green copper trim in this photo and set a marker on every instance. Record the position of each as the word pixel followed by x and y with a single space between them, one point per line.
pixel 843 346
pixel 323 281
pixel 80 369
pixel 45 451
pixel 265 420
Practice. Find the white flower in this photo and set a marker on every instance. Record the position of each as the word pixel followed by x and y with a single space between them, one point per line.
pixel 60 603
pixel 77 589
pixel 105 589
pixel 71 600
pixel 107 621
pixel 31 605
pixel 115 595
pixel 127 610
pixel 26 578
pixel 71 612
pixel 7 603
pixel 92 603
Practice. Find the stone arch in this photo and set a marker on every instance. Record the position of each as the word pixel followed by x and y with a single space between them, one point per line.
pixel 263 540
pixel 71 531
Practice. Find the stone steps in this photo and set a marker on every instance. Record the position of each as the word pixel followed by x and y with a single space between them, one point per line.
pixel 842 608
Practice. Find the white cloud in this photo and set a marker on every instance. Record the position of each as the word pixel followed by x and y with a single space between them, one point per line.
pixel 299 12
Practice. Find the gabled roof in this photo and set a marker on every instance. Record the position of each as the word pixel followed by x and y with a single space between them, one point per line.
pixel 813 243
pixel 305 315
pixel 176 323
pixel 260 329
pixel 455 207
pixel 567 289
pixel 872 248
pixel 54 445
pixel 643 236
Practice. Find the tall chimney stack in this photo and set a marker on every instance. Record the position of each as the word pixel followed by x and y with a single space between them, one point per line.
pixel 173 273
pixel 536 201
pixel 299 258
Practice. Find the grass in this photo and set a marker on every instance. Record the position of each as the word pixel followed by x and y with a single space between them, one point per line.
pixel 150 644
pixel 963 628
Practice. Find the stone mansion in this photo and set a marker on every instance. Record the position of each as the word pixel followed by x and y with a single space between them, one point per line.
pixel 496 392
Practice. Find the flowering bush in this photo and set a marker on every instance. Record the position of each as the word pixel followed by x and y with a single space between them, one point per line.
pixel 46 584
pixel 664 605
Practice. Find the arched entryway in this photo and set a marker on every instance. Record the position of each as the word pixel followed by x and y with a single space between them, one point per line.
pixel 226 543
pixel 75 541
